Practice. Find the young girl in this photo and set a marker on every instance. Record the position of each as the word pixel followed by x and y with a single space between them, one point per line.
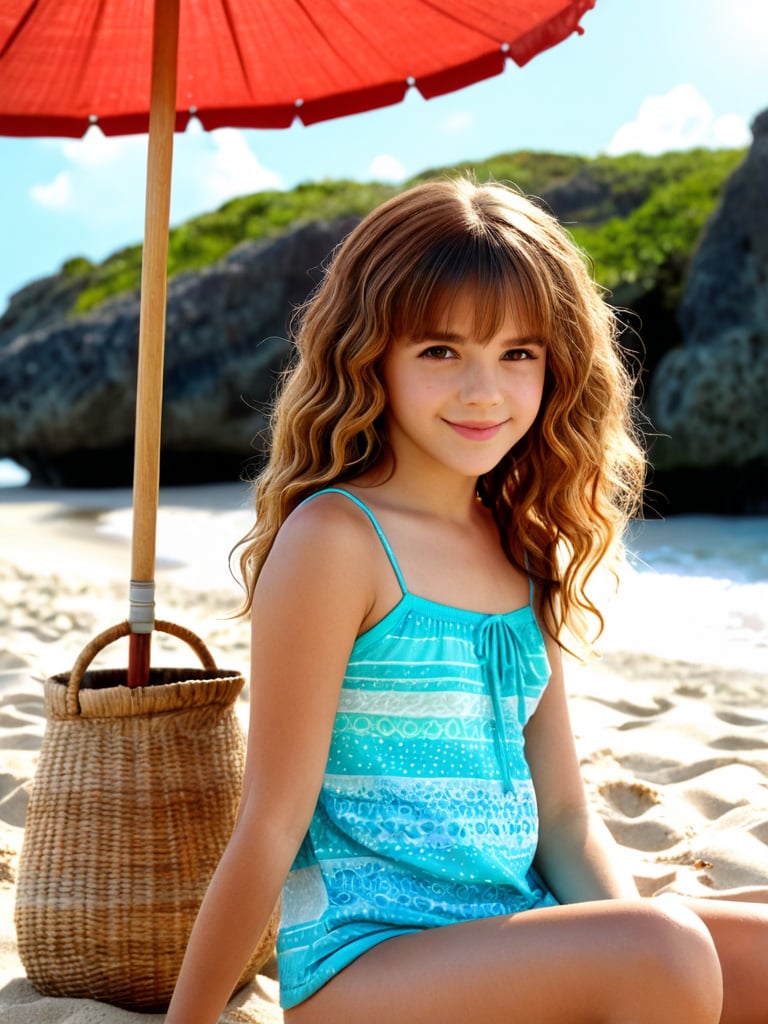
pixel 452 459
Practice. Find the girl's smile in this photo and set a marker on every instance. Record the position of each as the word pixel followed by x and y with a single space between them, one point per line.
pixel 477 431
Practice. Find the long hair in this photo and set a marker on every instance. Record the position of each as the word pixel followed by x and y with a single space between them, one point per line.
pixel 562 496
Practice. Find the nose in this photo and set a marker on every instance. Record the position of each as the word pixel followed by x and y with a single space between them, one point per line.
pixel 480 383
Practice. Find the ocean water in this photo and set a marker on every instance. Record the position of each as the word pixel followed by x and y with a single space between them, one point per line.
pixel 695 589
pixel 12 474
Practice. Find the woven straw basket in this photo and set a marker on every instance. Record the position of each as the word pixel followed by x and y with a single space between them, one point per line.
pixel 134 799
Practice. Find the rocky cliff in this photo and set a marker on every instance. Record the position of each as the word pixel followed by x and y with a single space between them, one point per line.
pixel 709 396
pixel 69 385
pixel 67 381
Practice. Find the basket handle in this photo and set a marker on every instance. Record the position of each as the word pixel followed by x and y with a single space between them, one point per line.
pixel 122 629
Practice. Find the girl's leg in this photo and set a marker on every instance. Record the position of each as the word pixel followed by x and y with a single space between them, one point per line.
pixel 740 933
pixel 592 963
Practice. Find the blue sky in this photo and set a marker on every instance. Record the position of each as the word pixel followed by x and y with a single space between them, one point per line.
pixel 648 75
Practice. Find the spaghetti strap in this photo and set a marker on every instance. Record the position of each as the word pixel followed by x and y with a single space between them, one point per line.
pixel 531 594
pixel 382 537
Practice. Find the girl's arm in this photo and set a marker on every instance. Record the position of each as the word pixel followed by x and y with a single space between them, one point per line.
pixel 576 856
pixel 311 597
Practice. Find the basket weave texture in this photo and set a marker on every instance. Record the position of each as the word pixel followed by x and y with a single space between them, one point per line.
pixel 134 799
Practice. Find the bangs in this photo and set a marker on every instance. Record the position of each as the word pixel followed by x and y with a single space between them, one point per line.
pixel 499 285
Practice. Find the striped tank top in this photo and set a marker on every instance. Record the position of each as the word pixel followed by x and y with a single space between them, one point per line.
pixel 427 814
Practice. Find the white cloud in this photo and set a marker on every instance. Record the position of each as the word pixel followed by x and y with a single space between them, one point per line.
pixel 95 149
pixel 680 119
pixel 103 180
pixel 387 168
pixel 731 130
pixel 456 123
pixel 223 165
pixel 57 195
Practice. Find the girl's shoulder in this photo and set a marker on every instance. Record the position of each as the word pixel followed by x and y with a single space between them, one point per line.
pixel 337 535
pixel 320 562
pixel 328 521
pixel 330 512
pixel 328 532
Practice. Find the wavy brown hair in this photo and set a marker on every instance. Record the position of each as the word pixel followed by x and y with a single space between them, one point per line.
pixel 562 496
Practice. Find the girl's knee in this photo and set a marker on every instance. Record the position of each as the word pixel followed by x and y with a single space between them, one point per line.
pixel 683 958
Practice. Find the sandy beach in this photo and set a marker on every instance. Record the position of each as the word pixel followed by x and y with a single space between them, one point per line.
pixel 674 752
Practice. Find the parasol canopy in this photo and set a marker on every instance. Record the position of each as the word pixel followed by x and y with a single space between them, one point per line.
pixel 132 66
pixel 255 63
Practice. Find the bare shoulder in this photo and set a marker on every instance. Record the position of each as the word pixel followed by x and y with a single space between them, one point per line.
pixel 331 526
pixel 324 547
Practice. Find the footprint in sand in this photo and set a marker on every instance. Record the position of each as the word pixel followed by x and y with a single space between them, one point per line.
pixel 631 812
pixel 631 799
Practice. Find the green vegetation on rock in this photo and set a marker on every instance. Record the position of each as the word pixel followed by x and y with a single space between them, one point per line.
pixel 531 172
pixel 666 202
pixel 205 239
pixel 638 217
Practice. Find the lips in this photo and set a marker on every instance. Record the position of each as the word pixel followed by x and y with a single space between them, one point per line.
pixel 477 431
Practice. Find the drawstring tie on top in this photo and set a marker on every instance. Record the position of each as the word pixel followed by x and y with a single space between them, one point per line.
pixel 499 647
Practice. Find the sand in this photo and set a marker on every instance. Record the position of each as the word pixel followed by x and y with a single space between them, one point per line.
pixel 674 753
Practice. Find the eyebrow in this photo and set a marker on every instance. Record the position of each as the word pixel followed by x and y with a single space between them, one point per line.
pixel 450 337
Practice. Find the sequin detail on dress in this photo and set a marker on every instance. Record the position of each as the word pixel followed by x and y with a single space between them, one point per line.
pixel 427 814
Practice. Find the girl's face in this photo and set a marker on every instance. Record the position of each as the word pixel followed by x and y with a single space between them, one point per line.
pixel 456 404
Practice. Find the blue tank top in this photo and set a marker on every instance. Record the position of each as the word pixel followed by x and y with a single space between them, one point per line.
pixel 427 814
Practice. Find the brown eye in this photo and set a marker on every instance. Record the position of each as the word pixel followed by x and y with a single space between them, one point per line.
pixel 437 352
pixel 518 354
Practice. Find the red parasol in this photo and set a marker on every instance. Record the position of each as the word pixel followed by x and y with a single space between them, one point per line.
pixel 66 66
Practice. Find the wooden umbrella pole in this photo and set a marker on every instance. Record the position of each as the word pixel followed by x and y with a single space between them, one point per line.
pixel 149 388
